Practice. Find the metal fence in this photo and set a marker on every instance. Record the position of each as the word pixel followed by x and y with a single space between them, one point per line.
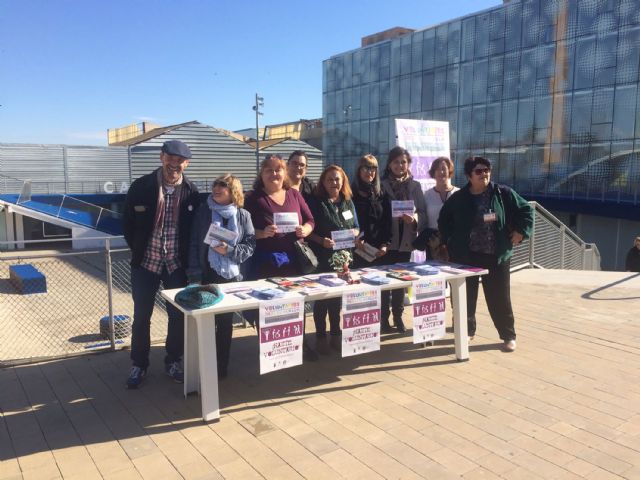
pixel 87 305
pixel 554 245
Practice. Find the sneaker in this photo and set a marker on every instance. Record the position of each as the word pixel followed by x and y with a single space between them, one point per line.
pixel 386 328
pixel 136 376
pixel 174 370
pixel 399 325
pixel 509 345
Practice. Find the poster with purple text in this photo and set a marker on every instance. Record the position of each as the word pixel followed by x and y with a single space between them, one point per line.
pixel 360 321
pixel 426 140
pixel 428 309
pixel 281 330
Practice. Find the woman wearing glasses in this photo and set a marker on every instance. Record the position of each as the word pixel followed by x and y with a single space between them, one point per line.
pixel 297 165
pixel 222 240
pixel 480 224
pixel 409 217
pixel 374 216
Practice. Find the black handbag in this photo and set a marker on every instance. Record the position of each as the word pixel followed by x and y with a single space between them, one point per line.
pixel 306 260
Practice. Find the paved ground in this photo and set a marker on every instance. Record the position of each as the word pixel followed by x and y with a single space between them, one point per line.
pixel 566 404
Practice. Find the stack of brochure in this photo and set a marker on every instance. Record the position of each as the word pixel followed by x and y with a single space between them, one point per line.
pixel 426 270
pixel 374 279
pixel 263 293
pixel 331 280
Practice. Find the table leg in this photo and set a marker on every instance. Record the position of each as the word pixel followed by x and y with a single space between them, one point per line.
pixel 208 368
pixel 459 297
pixel 190 358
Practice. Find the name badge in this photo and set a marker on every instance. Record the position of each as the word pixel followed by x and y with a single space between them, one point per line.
pixel 347 215
pixel 489 217
pixel 139 208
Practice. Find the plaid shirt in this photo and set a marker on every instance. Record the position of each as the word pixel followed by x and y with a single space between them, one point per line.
pixel 162 250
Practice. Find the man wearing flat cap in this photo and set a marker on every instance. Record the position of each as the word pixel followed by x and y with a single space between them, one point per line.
pixel 157 219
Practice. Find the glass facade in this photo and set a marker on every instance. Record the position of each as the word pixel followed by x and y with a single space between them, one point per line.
pixel 547 89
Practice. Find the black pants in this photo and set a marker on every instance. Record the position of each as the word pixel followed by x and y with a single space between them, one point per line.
pixel 224 324
pixel 320 310
pixel 393 297
pixel 497 291
pixel 144 285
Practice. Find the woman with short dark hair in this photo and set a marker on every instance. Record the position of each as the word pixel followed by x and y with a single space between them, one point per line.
pixel 480 224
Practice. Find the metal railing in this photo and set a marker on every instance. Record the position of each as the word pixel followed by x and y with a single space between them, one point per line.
pixel 88 306
pixel 554 245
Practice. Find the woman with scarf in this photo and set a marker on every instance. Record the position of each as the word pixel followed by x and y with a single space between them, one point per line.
pixel 398 184
pixel 222 239
pixel 332 210
pixel 374 216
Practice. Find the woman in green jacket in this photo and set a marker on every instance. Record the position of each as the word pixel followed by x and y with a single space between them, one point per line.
pixel 480 224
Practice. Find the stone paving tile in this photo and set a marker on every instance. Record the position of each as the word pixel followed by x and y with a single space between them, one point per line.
pixel 565 405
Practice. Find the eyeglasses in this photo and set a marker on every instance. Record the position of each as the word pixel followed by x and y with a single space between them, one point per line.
pixel 481 171
pixel 370 168
pixel 220 183
pixel 301 166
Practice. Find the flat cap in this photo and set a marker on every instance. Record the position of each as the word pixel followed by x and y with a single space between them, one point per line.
pixel 176 147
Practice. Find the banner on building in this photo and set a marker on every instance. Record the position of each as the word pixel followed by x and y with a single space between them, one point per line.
pixel 281 333
pixel 428 308
pixel 426 140
pixel 360 321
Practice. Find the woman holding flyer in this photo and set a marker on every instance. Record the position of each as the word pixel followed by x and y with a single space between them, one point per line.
pixel 335 230
pixel 408 212
pixel 281 218
pixel 222 240
pixel 374 215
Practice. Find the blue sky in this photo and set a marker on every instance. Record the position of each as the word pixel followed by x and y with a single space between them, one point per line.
pixel 71 69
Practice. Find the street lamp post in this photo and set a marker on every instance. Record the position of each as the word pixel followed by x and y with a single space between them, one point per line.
pixel 256 108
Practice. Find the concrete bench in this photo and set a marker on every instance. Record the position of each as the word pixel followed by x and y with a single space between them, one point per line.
pixel 26 279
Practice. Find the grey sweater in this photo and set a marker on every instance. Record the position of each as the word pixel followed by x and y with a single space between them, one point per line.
pixel 409 233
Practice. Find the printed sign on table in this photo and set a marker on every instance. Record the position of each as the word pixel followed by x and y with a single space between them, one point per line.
pixel 360 321
pixel 428 308
pixel 217 234
pixel 343 239
pixel 286 221
pixel 281 333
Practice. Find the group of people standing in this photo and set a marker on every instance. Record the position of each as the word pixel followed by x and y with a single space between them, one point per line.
pixel 166 225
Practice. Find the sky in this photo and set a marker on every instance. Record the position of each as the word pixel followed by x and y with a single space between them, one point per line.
pixel 71 69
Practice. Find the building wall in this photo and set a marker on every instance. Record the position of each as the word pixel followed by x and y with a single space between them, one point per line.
pixel 214 153
pixel 62 168
pixel 314 155
pixel 547 90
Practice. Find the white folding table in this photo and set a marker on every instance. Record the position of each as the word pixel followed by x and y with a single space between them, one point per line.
pixel 200 362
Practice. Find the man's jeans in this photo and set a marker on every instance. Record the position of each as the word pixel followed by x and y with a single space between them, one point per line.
pixel 144 285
